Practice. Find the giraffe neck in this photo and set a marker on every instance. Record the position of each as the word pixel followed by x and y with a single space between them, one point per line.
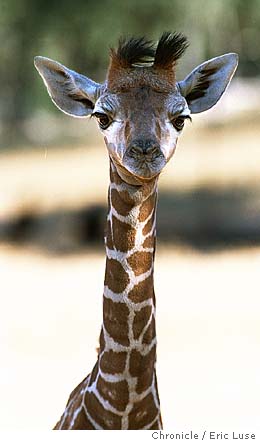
pixel 125 375
pixel 128 303
pixel 121 391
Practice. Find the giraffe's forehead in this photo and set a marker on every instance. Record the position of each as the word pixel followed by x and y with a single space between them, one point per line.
pixel 124 79
pixel 141 100
pixel 108 103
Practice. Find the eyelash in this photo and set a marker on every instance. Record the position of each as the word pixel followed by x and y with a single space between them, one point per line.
pixel 103 120
pixel 178 122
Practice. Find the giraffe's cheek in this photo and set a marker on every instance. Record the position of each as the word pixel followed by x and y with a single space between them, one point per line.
pixel 168 150
pixel 115 146
pixel 113 139
pixel 116 150
pixel 169 142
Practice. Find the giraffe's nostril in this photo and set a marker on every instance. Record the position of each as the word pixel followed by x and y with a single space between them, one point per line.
pixel 151 150
pixel 136 150
pixel 140 147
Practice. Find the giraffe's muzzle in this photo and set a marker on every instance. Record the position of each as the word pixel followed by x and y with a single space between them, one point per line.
pixel 144 158
pixel 148 148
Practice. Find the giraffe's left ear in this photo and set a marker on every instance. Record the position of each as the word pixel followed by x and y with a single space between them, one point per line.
pixel 204 86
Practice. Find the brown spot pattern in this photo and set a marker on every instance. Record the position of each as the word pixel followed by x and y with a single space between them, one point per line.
pixel 147 207
pixel 115 316
pixel 150 332
pixel 73 404
pixel 116 277
pixel 155 426
pixel 148 226
pixel 140 320
pixel 82 421
pixel 142 367
pixel 116 393
pixel 149 242
pixel 142 413
pixel 113 362
pixel 93 374
pixel 142 291
pixel 106 419
pixel 121 202
pixel 77 390
pixel 147 189
pixel 109 242
pixel 140 262
pixel 124 235
pixel 101 340
pixel 114 177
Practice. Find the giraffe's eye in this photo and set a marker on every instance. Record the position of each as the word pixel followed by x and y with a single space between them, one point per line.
pixel 178 123
pixel 103 120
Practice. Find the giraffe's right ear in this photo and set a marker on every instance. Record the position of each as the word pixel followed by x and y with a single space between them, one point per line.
pixel 71 92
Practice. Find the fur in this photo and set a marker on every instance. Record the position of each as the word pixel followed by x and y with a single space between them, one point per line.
pixel 139 51
pixel 133 51
pixel 200 89
pixel 137 61
pixel 169 49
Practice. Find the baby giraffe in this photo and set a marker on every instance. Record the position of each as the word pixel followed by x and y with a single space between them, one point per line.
pixel 141 111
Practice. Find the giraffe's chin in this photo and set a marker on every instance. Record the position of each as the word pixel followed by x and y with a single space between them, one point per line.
pixel 144 168
pixel 138 176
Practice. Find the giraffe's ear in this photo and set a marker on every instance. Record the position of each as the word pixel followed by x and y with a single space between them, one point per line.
pixel 71 92
pixel 203 87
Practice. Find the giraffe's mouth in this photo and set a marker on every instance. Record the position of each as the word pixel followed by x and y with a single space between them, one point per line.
pixel 144 165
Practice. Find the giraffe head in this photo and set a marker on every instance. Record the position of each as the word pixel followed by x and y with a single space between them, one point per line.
pixel 140 108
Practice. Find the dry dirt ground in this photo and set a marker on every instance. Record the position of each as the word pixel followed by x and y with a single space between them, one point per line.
pixel 208 332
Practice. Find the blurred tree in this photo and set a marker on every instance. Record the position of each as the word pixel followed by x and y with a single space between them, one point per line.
pixel 80 33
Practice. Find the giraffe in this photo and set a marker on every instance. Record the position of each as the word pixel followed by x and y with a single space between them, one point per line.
pixel 141 110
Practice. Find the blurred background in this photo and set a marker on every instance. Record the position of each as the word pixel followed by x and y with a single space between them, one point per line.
pixel 53 181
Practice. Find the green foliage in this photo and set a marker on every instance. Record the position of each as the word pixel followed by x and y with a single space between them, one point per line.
pixel 79 34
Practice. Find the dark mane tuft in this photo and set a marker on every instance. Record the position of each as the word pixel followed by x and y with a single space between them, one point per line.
pixel 169 49
pixel 133 51
pixel 138 61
